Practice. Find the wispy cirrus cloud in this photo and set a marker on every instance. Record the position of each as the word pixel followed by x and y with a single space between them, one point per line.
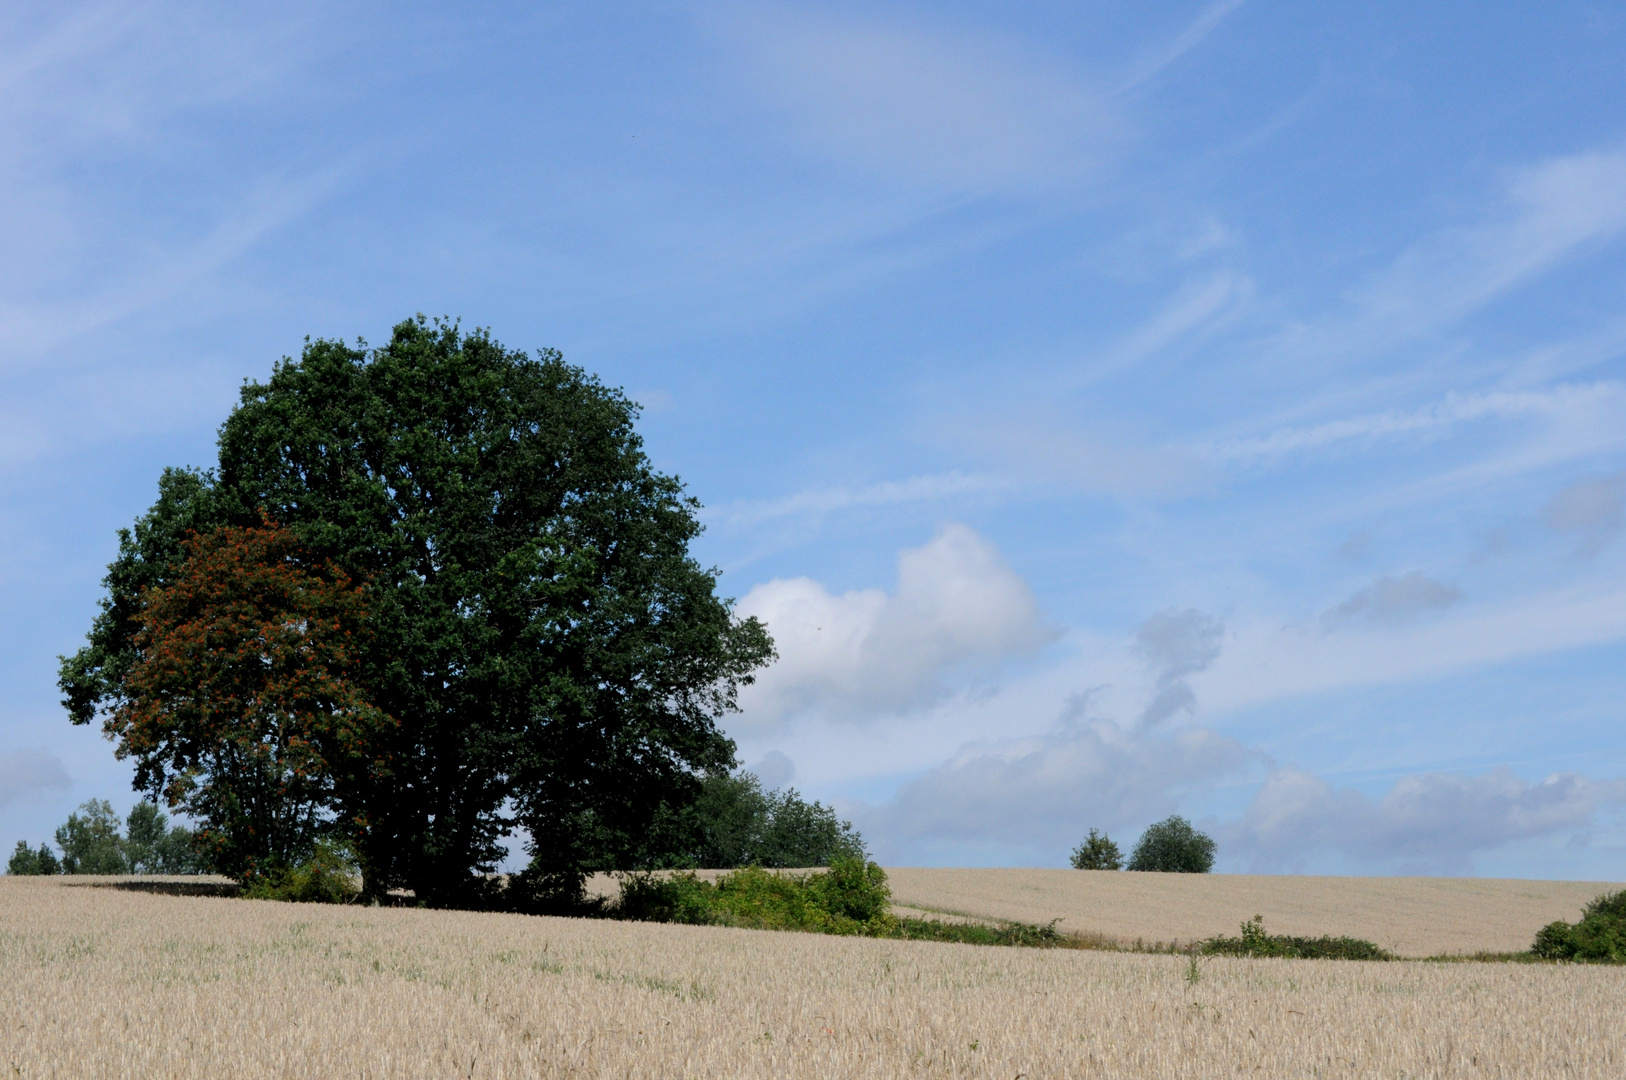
pixel 1550 212
pixel 816 502
pixel 1265 660
pixel 956 112
pixel 1555 403
pixel 1196 32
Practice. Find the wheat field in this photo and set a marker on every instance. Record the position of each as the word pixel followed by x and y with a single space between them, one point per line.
pixel 106 983
pixel 1408 916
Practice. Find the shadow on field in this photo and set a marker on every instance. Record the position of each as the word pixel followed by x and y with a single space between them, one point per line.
pixel 164 886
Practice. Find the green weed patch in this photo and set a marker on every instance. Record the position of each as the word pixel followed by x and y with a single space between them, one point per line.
pixel 1253 941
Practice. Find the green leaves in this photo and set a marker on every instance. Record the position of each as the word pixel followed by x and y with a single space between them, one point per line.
pixel 549 653
pixel 1253 941
pixel 732 822
pixel 1599 937
pixel 852 897
pixel 1097 852
pixel 27 861
pixel 1172 846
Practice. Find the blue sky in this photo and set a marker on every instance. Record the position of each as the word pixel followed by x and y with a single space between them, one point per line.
pixel 1215 409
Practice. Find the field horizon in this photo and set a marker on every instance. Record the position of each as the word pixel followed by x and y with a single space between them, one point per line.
pixel 117 982
pixel 1409 916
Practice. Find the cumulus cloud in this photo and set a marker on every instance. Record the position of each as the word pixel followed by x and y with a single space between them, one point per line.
pixel 865 653
pixel 1175 644
pixel 1594 509
pixel 1392 599
pixel 1047 790
pixel 24 773
pixel 1431 822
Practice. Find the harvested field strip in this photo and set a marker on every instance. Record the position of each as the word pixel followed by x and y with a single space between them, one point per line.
pixel 101 982
pixel 1408 916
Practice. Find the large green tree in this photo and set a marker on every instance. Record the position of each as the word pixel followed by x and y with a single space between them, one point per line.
pixel 551 655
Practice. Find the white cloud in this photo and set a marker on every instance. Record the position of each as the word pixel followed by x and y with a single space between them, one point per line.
pixel 957 112
pixel 1390 599
pixel 864 653
pixel 1047 791
pixel 25 773
pixel 1433 822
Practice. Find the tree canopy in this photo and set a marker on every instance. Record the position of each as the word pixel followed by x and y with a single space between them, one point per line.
pixel 27 861
pixel 547 652
pixel 242 707
pixel 1097 852
pixel 1172 846
pixel 733 822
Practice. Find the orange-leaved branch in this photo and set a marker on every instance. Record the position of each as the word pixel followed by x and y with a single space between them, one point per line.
pixel 245 704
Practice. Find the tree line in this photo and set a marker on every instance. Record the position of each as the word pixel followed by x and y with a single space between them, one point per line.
pixel 733 823
pixel 94 841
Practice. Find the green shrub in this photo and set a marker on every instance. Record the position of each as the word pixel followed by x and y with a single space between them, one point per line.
pixel 1172 846
pixel 1600 936
pixel 850 898
pixel 1097 853
pixel 26 861
pixel 1255 942
pixel 681 898
pixel 852 889
pixel 970 933
pixel 328 876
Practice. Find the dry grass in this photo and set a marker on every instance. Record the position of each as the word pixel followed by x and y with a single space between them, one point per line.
pixel 1407 916
pixel 106 983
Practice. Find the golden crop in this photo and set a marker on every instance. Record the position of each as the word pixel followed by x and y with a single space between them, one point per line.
pixel 1415 916
pixel 99 983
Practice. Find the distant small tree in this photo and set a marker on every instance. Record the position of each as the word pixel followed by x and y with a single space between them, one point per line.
pixel 1097 853
pixel 90 841
pixel 27 861
pixel 153 846
pixel 1172 846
